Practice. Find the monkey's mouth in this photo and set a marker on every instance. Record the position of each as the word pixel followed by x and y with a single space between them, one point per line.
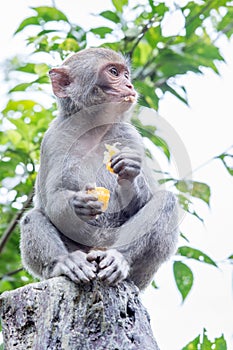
pixel 119 96
pixel 130 98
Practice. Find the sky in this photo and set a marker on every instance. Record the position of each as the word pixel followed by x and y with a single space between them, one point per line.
pixel 205 129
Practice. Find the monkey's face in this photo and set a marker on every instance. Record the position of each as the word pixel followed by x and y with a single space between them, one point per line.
pixel 94 77
pixel 114 80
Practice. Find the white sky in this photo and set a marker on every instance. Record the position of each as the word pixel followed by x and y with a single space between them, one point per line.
pixel 206 131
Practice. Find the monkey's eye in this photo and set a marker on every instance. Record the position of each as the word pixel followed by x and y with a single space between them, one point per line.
pixel 126 75
pixel 114 71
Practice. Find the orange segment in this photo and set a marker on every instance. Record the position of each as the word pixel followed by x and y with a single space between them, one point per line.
pixel 103 195
pixel 110 151
pixel 109 168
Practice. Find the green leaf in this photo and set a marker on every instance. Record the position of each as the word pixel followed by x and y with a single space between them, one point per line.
pixel 193 345
pixel 20 106
pixel 227 160
pixel 14 136
pixel 118 4
pixel 206 343
pixel 181 63
pixel 154 285
pixel 220 343
pixel 41 69
pixel 142 52
pixel 148 97
pixel 196 254
pixel 20 87
pixel 50 14
pixel 111 16
pixel 24 86
pixel 27 68
pixel 149 132
pixel 46 13
pixel 70 45
pixel 27 22
pixel 101 31
pixel 193 20
pixel 159 9
pixel 184 202
pixel 48 31
pixel 43 80
pixel 202 191
pixel 183 277
pixel 114 46
pixel 8 169
pixel 203 53
pixel 196 189
pixel 167 88
pixel 203 343
pixel 154 35
pixel 226 24
pixel 182 235
pixel 185 186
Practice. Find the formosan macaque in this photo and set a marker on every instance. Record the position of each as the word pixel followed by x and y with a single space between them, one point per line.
pixel 68 232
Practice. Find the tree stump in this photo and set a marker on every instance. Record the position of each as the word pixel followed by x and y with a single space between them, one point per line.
pixel 56 314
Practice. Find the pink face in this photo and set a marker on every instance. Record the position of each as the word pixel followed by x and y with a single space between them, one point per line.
pixel 114 80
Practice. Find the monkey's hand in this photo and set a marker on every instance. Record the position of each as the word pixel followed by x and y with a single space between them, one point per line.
pixel 75 266
pixel 86 205
pixel 126 164
pixel 113 267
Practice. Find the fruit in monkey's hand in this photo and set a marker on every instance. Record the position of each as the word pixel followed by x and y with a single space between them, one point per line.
pixel 111 151
pixel 103 195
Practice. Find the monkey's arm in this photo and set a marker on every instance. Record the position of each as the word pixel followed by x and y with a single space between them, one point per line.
pixel 132 196
pixel 70 212
pixel 44 254
pixel 132 191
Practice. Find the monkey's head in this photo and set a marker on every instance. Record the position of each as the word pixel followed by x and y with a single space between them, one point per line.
pixel 93 77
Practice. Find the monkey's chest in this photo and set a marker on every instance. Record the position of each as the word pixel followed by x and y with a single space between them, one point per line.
pixel 84 161
pixel 89 168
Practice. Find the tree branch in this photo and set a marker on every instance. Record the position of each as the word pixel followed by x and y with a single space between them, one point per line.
pixel 14 222
pixel 11 273
pixel 141 35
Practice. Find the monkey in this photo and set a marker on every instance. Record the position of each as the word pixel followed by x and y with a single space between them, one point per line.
pixel 67 232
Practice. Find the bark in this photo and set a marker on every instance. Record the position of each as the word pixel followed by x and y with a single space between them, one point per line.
pixel 58 315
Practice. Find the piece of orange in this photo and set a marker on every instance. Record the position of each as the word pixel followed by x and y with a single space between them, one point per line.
pixel 103 195
pixel 111 150
pixel 109 168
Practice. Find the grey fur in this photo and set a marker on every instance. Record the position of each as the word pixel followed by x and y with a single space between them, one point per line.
pixel 137 233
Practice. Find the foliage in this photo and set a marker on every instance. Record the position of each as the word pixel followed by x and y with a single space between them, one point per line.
pixel 158 60
pixel 203 343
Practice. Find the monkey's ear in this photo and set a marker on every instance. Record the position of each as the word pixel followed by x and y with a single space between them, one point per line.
pixel 60 79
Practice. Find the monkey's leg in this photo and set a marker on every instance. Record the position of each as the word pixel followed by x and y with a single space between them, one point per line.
pixel 45 255
pixel 156 243
pixel 147 240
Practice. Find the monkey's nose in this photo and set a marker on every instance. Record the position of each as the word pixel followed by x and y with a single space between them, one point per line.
pixel 129 86
pixel 132 92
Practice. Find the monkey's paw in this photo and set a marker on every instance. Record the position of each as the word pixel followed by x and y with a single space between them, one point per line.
pixel 75 266
pixel 113 267
pixel 126 164
pixel 86 204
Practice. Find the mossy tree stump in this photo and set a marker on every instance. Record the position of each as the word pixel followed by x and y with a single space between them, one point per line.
pixel 56 314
